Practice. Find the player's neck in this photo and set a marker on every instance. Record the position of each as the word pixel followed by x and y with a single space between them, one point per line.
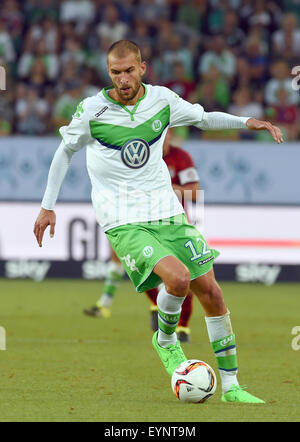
pixel 114 95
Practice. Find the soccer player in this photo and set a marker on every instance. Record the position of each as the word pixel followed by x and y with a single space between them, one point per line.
pixel 123 128
pixel 185 182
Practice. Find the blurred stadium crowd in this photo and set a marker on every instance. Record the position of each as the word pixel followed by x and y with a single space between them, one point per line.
pixel 229 55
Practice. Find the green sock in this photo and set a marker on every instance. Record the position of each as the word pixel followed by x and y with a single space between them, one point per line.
pixel 222 340
pixel 168 322
pixel 225 352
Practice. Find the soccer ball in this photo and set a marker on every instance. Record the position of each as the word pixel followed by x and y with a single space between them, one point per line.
pixel 194 381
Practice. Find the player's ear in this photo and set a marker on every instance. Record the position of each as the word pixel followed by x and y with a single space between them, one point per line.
pixel 143 67
pixel 107 65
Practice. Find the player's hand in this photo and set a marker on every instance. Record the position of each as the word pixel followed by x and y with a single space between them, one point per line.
pixel 276 133
pixel 46 218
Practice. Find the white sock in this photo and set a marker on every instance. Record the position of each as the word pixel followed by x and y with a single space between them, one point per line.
pixel 169 309
pixel 106 300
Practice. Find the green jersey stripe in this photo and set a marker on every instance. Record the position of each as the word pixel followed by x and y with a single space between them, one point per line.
pixel 111 146
pixel 117 136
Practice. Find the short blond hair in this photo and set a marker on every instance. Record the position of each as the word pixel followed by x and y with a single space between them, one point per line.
pixel 122 48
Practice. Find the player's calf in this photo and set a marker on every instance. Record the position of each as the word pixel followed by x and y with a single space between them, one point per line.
pixel 209 294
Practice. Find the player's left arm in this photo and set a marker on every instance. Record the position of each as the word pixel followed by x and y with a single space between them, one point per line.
pixel 276 133
pixel 184 113
pixel 222 120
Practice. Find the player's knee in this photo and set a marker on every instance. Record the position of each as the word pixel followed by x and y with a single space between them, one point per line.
pixel 179 284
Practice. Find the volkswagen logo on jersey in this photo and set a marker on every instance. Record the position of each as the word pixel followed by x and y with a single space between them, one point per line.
pixel 135 153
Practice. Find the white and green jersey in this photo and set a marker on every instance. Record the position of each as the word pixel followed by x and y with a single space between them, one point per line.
pixel 130 180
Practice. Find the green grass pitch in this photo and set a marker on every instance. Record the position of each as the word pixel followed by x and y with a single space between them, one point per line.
pixel 62 366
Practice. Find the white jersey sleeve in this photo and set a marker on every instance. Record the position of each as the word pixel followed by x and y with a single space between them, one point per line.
pixel 221 120
pixel 77 134
pixel 183 113
pixel 58 170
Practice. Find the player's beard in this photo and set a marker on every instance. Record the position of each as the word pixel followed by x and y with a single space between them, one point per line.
pixel 133 91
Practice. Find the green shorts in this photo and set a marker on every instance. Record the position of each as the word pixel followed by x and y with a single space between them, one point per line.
pixel 140 246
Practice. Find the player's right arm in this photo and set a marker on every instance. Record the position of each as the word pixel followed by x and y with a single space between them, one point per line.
pixel 59 167
pixel 75 137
